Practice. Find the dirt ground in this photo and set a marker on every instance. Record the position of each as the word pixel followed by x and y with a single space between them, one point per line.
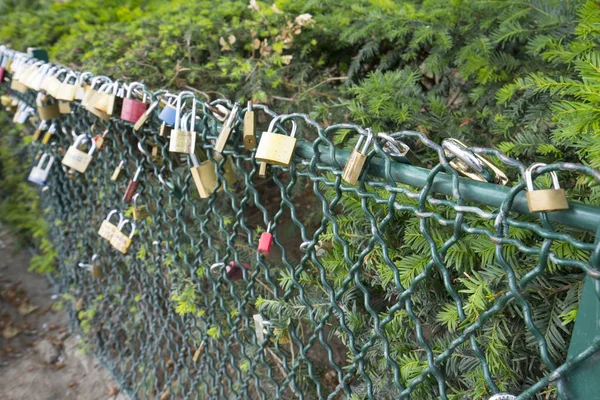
pixel 39 359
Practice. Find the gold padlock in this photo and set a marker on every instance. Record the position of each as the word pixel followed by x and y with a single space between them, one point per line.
pixel 183 137
pixel 64 107
pixel 66 91
pixel 97 272
pixel 117 171
pixel 204 176
pixel 46 107
pixel 472 165
pixel 545 200
pixel 249 128
pixel 275 148
pixel 140 212
pixel 226 129
pixel 119 240
pixel 107 229
pixel 77 159
pixel 356 161
pixel 18 86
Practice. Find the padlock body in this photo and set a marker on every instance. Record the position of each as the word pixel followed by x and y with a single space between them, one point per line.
pixel 547 200
pixel 66 92
pixel 354 167
pixel 234 272
pixel 99 113
pixel 18 86
pixel 64 107
pixel 97 272
pixel 120 241
pixel 132 110
pixel 48 112
pixel 35 176
pixel 140 212
pixel 167 115
pixel 205 178
pixel 249 130
pixel 141 121
pixel 87 96
pixel 115 174
pixel 222 138
pixel 265 243
pixel 182 141
pixel 107 230
pixel 277 149
pixel 114 105
pixel 76 159
pixel 130 191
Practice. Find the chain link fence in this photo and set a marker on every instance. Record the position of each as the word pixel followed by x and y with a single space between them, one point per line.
pixel 342 305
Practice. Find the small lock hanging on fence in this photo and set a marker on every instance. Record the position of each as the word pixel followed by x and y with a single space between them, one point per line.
pixel 260 328
pixel 81 86
pixel 114 99
pixel 397 150
pixel 77 159
pixel 107 229
pixel 265 242
pixel 545 200
pixel 139 211
pixel 144 117
pixel 46 107
pixel 132 108
pixel 36 82
pixel 472 165
pixel 249 128
pixel 121 241
pixel 204 175
pixel 94 267
pixel 92 91
pixel 39 173
pixel 357 159
pixel 228 126
pixel 233 271
pixel 276 148
pixel 23 113
pixel 170 187
pixel 117 171
pixel 99 139
pixel 66 91
pixel 183 140
pixel 51 83
pixel 168 114
pixel 132 186
pixel 96 103
pixel 49 133
pixel 38 132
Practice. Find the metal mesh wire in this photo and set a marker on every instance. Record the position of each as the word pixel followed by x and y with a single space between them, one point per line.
pixel 166 327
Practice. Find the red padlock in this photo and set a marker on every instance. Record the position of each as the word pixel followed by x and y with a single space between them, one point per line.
pixel 133 109
pixel 265 242
pixel 234 272
pixel 132 186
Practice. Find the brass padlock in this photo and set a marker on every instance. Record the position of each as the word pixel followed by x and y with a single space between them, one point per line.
pixel 249 128
pixel 357 159
pixel 545 200
pixel 107 229
pixel 81 86
pixel 49 133
pixel 18 86
pixel 64 107
pixel 117 171
pixel 472 165
pixel 114 99
pixel 97 272
pixel 121 241
pixel 77 159
pixel 275 148
pixel 183 140
pixel 228 126
pixel 46 107
pixel 66 91
pixel 204 176
pixel 52 84
pixel 140 212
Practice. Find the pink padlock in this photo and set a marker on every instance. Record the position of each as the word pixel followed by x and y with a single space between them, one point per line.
pixel 265 242
pixel 133 109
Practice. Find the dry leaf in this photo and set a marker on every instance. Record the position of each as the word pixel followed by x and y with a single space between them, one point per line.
pixel 256 44
pixel 224 45
pixel 231 39
pixel 304 19
pixel 287 59
pixel 253 5
pixel 27 308
pixel 10 332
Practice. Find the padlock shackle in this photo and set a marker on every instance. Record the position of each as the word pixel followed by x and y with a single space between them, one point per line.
pixel 529 179
pixel 83 138
pixel 133 85
pixel 126 221
pixel 84 75
pixel 113 212
pixel 274 120
pixel 214 269
pixel 98 78
pixel 71 74
pixel 184 95
pixel 134 198
pixel 195 162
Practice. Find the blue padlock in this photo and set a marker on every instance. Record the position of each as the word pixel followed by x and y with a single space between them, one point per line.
pixel 169 113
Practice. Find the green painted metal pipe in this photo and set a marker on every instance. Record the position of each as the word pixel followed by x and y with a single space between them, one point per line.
pixel 579 215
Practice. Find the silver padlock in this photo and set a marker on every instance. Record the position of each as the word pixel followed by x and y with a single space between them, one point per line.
pixel 183 140
pixel 39 173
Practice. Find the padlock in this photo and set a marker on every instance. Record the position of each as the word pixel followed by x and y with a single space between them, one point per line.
pixel 140 212
pixel 99 139
pixel 320 248
pixel 204 176
pixel 51 131
pixel 545 200
pixel 90 94
pixel 117 171
pixel 228 126
pixel 144 117
pixel 46 107
pixel 66 91
pixel 275 148
pixel 36 81
pixel 64 107
pixel 132 108
pixel 114 103
pixel 249 128
pixel 183 139
pixel 472 165
pixel 132 186
pixel 77 159
pixel 107 229
pixel 168 114
pixel 52 82
pixel 39 173
pixel 232 271
pixel 397 150
pixel 38 132
pixel 96 271
pixel 23 113
pixel 18 86
pixel 81 86
pixel 265 242
pixel 31 75
pixel 103 97
pixel 357 159
pixel 260 328
pixel 121 241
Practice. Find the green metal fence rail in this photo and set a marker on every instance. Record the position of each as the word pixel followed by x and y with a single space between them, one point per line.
pixel 166 327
